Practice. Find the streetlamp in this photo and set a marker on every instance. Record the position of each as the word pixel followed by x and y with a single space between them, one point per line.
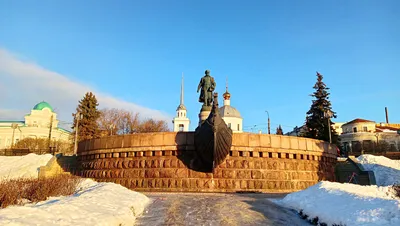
pixel 253 128
pixel 112 127
pixel 328 115
pixel 13 126
pixel 269 124
pixel 78 116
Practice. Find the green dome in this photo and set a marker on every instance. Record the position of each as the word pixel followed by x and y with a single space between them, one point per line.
pixel 42 105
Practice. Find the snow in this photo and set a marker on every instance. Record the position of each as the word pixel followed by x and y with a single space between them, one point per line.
pixel 93 204
pixel 386 171
pixel 346 204
pixel 27 166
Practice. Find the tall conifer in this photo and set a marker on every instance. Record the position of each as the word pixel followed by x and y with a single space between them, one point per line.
pixel 88 126
pixel 319 114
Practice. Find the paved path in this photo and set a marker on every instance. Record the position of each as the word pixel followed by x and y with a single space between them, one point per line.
pixel 216 209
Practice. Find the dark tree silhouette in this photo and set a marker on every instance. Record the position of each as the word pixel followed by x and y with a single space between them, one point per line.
pixel 319 114
pixel 279 130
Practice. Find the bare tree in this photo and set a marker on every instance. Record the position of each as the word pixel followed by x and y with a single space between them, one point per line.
pixel 41 144
pixel 151 125
pixel 118 121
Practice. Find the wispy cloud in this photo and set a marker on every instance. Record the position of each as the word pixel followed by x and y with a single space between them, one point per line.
pixel 24 83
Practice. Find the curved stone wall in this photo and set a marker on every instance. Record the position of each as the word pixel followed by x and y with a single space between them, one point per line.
pixel 257 162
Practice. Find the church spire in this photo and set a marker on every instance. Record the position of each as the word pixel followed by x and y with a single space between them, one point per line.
pixel 181 121
pixel 182 91
pixel 181 104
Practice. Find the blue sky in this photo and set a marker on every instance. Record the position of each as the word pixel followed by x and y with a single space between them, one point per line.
pixel 135 51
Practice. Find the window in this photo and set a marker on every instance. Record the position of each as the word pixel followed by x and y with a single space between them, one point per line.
pixel 367 145
pixel 356 146
pixel 35 124
pixel 354 129
pixel 181 127
pixel 238 127
pixel 365 129
pixel 393 147
pixel 229 125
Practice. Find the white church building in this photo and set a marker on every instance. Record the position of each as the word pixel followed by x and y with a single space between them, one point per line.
pixel 36 125
pixel 181 121
pixel 229 114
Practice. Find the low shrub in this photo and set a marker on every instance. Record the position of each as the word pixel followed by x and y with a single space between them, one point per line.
pixel 20 191
pixel 397 189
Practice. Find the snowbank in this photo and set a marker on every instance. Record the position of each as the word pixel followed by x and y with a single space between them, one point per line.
pixel 12 167
pixel 93 204
pixel 347 204
pixel 387 171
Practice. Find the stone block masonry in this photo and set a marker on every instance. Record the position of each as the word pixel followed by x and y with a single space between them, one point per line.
pixel 256 163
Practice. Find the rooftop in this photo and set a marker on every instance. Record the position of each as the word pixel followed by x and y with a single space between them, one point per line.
pixel 358 120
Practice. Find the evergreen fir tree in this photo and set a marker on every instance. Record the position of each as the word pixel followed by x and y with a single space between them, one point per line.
pixel 319 114
pixel 279 130
pixel 88 126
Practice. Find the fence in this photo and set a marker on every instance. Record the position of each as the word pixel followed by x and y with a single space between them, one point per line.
pixel 25 151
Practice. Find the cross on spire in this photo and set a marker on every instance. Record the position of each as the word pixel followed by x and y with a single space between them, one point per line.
pixel 226 83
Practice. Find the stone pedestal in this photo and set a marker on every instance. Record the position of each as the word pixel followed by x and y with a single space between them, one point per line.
pixel 204 113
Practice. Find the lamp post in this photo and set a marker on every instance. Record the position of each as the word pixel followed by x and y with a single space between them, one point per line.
pixel 269 124
pixel 78 116
pixel 328 115
pixel 112 127
pixel 13 126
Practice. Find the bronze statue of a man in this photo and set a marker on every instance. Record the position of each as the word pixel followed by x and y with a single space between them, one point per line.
pixel 207 86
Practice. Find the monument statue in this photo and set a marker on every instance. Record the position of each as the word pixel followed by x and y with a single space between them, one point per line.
pixel 207 86
pixel 212 141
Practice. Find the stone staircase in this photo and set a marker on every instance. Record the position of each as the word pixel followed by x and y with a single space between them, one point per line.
pixel 346 168
pixel 60 164
pixel 68 163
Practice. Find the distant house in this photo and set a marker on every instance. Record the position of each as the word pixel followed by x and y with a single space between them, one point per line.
pixel 296 131
pixel 299 130
pixel 361 134
pixel 35 125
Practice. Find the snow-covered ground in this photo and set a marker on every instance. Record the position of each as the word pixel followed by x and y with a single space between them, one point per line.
pixel 346 204
pixel 386 171
pixel 12 167
pixel 350 204
pixel 93 204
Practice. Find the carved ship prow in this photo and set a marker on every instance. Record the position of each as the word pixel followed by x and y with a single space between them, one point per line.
pixel 212 139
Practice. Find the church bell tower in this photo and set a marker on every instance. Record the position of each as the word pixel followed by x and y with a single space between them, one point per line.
pixel 181 121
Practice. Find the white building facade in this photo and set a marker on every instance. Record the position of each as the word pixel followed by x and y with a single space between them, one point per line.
pixel 36 125
pixel 362 135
